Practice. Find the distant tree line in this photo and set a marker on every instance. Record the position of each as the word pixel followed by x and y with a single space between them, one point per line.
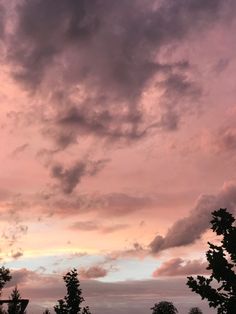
pixel 166 307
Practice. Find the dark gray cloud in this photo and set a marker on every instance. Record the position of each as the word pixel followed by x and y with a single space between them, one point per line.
pixel 177 89
pixel 110 123
pixel 64 23
pixel 179 267
pixel 126 34
pixel 198 221
pixel 70 177
pixel 97 58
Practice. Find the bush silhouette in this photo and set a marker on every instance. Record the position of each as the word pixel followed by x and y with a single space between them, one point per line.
pixel 222 262
pixel 164 307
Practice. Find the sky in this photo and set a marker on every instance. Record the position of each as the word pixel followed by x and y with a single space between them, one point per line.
pixel 118 140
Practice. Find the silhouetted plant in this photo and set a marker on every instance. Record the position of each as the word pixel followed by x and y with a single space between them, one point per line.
pixel 4 277
pixel 46 311
pixel 71 304
pixel 61 308
pixel 164 307
pixel 86 310
pixel 222 263
pixel 195 310
pixel 14 307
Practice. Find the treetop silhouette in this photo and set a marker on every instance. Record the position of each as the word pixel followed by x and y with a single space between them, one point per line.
pixel 15 306
pixel 71 304
pixel 164 307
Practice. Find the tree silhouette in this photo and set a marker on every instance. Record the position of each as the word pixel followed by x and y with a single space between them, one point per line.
pixel 222 263
pixel 195 310
pixel 164 307
pixel 46 311
pixel 14 307
pixel 4 277
pixel 71 304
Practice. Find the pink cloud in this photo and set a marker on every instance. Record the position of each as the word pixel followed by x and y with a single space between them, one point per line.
pixel 93 272
pixel 180 267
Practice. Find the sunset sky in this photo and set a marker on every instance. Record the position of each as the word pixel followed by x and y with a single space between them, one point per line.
pixel 118 140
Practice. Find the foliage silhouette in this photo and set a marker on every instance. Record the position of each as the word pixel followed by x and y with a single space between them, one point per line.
pixel 222 262
pixel 46 311
pixel 86 310
pixel 71 304
pixel 195 310
pixel 4 277
pixel 164 307
pixel 14 307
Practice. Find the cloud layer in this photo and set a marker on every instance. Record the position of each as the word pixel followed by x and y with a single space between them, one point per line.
pixel 116 116
pixel 97 60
